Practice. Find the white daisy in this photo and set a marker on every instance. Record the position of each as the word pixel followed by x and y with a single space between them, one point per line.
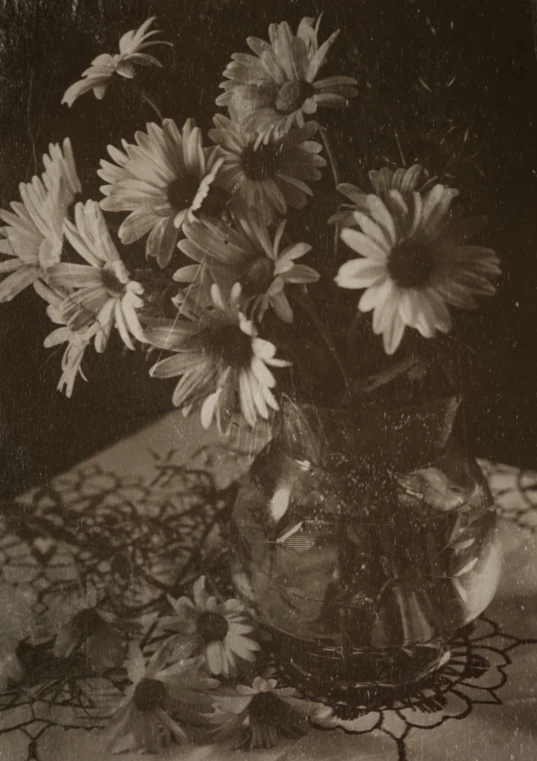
pixel 414 261
pixel 404 180
pixel 218 631
pixel 101 291
pixel 77 340
pixel 131 45
pixel 86 627
pixel 249 254
pixel 160 701
pixel 267 177
pixel 33 232
pixel 19 625
pixel 163 179
pixel 260 714
pixel 277 88
pixel 219 356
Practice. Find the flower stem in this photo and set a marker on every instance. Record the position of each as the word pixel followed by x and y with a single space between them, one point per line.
pixel 309 308
pixel 351 331
pixel 335 174
pixel 330 154
pixel 149 100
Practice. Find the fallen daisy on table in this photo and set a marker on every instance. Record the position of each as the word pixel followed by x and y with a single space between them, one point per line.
pixel 19 625
pixel 88 628
pixel 259 715
pixel 161 704
pixel 221 632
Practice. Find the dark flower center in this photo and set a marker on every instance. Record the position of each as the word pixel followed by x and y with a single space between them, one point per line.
pixel 212 626
pixel 87 623
pixel 149 694
pixel 262 162
pixel 214 202
pixel 292 95
pixel 231 345
pixel 267 708
pixel 111 282
pixel 411 264
pixel 258 276
pixel 182 191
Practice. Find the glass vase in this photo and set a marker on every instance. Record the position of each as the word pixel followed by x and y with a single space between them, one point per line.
pixel 364 540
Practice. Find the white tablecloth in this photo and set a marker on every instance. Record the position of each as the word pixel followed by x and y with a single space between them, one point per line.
pixel 489 712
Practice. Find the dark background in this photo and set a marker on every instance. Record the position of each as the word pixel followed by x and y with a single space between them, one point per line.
pixel 404 54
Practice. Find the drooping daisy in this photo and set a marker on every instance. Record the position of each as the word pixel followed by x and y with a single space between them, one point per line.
pixel 414 261
pixel 267 177
pixel 219 631
pixel 104 293
pixel 384 181
pixel 247 253
pixel 163 179
pixel 160 701
pixel 277 88
pixel 131 45
pixel 86 627
pixel 77 340
pixel 33 231
pixel 259 715
pixel 219 356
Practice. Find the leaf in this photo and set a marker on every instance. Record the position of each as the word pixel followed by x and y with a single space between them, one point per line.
pixel 467 568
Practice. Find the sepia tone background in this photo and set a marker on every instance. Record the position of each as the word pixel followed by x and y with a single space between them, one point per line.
pixel 452 84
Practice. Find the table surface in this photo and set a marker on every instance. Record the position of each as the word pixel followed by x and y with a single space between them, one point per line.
pixel 486 712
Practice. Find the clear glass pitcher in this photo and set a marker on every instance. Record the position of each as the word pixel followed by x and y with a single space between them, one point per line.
pixel 364 540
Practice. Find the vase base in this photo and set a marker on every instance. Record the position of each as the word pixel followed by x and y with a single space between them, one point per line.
pixel 370 669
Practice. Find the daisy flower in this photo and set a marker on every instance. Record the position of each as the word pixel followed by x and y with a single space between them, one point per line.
pixel 33 231
pixel 219 631
pixel 159 698
pixel 268 176
pixel 98 634
pixel 260 714
pixel 15 627
pixel 247 253
pixel 277 88
pixel 104 293
pixel 414 261
pixel 163 179
pixel 77 340
pixel 219 356
pixel 384 181
pixel 131 45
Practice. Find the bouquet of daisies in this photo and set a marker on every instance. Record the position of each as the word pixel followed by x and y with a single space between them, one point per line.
pixel 254 243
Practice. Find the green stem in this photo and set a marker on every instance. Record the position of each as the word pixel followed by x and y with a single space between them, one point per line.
pixel 309 308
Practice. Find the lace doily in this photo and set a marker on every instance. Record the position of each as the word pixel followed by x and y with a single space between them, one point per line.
pixel 139 539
